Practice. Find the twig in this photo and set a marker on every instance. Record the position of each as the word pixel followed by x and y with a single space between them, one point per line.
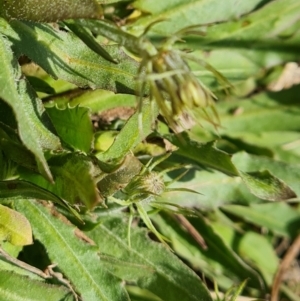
pixel 48 274
pixel 191 229
pixel 290 255
pixel 23 265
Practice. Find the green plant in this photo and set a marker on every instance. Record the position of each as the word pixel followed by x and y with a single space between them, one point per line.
pixel 213 193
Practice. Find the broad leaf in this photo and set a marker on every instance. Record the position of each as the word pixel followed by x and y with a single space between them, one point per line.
pixel 73 126
pixel 14 227
pixel 260 29
pixel 74 176
pixel 78 260
pixel 214 189
pixel 14 287
pixel 46 11
pixel 267 187
pixel 132 133
pixel 288 173
pixel 28 109
pixel 71 59
pixel 180 14
pixel 147 264
pixel 279 218
pixel 255 248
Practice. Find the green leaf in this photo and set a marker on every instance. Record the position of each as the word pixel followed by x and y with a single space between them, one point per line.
pixel 46 11
pixel 73 126
pixel 40 85
pixel 14 227
pixel 218 261
pixel 101 100
pixel 17 152
pixel 263 28
pixel 203 154
pixel 180 14
pixel 265 112
pixel 74 176
pixel 267 187
pixel 88 39
pixel 14 287
pixel 214 189
pixel 132 133
pixel 279 218
pixel 28 109
pixel 288 173
pixel 255 248
pixel 71 59
pixel 78 260
pixel 8 168
pixel 147 264
pixel 16 189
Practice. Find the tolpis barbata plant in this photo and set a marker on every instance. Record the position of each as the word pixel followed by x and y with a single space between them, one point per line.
pixel 99 184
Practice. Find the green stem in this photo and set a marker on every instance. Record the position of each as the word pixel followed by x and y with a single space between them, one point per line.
pixel 136 45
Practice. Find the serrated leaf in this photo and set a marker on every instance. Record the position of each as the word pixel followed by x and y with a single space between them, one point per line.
pixel 74 176
pixel 203 153
pixel 14 287
pixel 266 186
pixel 148 264
pixel 78 260
pixel 28 109
pixel 14 227
pixel 71 59
pixel 49 11
pixel 16 189
pixel 73 126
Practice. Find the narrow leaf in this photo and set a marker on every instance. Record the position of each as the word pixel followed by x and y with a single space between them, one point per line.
pixel 76 259
pixel 27 107
pixel 267 187
pixel 88 39
pixel 16 189
pixel 204 154
pixel 14 287
pixel 218 261
pixel 14 227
